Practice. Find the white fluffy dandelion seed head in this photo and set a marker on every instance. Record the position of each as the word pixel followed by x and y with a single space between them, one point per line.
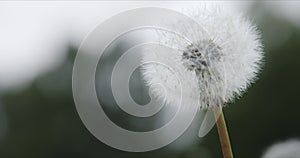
pixel 216 62
pixel 287 149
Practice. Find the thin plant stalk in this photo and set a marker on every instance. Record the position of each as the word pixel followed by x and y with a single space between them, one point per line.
pixel 223 133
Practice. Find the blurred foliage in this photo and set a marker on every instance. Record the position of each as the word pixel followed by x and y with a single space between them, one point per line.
pixel 42 120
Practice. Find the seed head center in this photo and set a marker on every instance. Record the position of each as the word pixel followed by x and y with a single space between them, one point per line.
pixel 199 56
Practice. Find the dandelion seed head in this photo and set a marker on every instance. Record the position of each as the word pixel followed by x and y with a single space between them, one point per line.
pixel 288 149
pixel 216 65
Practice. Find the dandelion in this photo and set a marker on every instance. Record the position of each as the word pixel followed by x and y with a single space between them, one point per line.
pixel 216 65
pixel 288 149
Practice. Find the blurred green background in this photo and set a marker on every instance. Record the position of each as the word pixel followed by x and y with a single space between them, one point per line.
pixel 41 121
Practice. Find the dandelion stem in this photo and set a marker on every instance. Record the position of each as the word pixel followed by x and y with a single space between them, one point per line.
pixel 223 134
